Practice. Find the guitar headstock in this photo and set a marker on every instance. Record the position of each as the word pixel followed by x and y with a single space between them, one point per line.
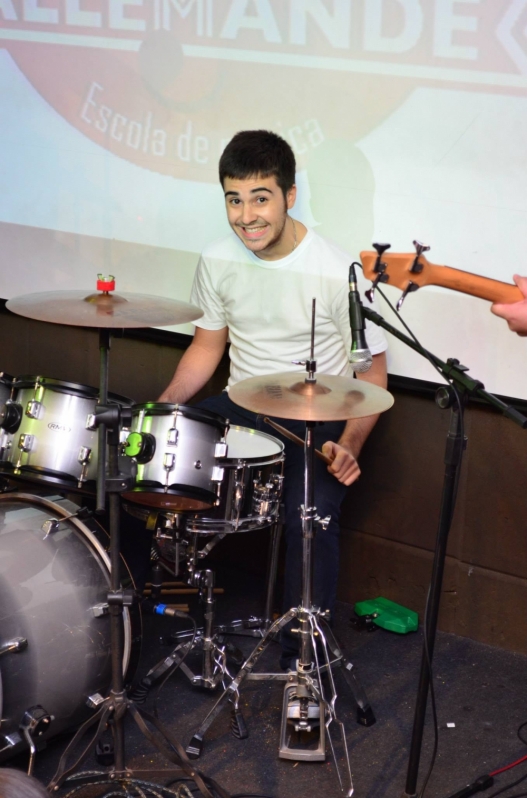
pixel 407 271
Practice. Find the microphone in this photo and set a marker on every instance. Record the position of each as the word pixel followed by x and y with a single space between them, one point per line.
pixel 360 355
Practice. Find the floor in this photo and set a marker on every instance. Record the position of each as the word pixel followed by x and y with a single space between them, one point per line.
pixel 480 691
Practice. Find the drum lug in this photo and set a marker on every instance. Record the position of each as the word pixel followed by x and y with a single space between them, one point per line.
pixel 169 462
pixel 91 422
pixel 33 409
pixel 94 701
pixel 220 449
pixel 12 741
pixel 100 610
pixel 172 436
pixel 25 444
pixel 217 474
pixel 13 646
pixel 84 459
pixel 49 527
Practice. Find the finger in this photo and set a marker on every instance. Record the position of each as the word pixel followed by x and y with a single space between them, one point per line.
pixel 350 476
pixel 346 470
pixel 521 282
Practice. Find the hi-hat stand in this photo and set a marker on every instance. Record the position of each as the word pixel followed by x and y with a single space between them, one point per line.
pixel 466 387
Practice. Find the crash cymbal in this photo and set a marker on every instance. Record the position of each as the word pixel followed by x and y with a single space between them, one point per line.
pixel 331 398
pixel 103 309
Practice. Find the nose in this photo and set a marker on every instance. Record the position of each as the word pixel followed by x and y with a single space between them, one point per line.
pixel 248 214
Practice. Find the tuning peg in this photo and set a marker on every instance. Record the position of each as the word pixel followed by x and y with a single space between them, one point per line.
pixel 408 290
pixel 420 248
pixel 417 266
pixel 382 277
pixel 379 268
pixel 381 249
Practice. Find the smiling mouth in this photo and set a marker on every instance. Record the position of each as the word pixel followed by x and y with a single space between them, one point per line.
pixel 254 232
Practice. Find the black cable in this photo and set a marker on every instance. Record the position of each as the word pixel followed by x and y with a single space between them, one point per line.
pixel 508 787
pixel 518 732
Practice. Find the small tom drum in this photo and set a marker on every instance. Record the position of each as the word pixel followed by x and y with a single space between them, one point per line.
pixel 50 437
pixel 251 490
pixel 179 451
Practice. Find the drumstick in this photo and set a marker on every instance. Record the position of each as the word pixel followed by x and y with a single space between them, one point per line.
pixel 292 437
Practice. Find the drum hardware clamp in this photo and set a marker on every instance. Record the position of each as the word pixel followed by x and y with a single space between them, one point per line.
pixel 34 723
pixel 13 646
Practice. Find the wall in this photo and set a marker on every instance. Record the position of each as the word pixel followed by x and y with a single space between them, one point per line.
pixel 390 516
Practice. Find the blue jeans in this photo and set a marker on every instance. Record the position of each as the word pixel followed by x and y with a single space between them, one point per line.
pixel 329 494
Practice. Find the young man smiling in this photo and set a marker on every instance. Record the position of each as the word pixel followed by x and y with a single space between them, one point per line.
pixel 256 289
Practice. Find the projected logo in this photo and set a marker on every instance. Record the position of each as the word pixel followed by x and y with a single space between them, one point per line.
pixel 165 83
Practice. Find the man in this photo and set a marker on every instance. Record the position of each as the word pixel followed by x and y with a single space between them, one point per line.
pixel 515 313
pixel 256 288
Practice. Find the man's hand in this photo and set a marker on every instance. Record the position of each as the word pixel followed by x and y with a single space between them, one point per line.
pixel 344 465
pixel 515 314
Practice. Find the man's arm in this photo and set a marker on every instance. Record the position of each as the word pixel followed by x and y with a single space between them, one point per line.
pixel 197 365
pixel 515 314
pixel 344 453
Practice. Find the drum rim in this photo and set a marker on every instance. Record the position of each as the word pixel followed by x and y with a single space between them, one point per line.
pixel 65 387
pixel 31 499
pixel 145 486
pixel 187 411
pixel 231 462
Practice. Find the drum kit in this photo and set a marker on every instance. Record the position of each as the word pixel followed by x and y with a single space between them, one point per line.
pixel 70 625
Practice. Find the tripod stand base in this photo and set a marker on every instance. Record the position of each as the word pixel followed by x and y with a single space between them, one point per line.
pixel 302 734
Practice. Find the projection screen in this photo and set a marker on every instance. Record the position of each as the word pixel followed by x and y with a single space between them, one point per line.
pixel 408 119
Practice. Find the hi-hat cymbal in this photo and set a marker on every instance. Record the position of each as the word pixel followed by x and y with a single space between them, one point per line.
pixel 103 309
pixel 331 398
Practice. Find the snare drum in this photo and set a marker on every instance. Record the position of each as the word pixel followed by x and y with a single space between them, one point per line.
pixel 178 450
pixel 49 437
pixel 252 486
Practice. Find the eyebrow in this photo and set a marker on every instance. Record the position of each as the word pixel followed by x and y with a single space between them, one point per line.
pixel 253 191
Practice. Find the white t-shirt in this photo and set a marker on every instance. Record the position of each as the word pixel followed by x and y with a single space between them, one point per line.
pixel 267 306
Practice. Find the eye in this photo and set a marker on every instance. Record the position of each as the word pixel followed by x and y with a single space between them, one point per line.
pixel 261 200
pixel 234 201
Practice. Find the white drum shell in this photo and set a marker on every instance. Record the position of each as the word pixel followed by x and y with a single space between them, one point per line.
pixel 187 438
pixel 49 588
pixel 61 447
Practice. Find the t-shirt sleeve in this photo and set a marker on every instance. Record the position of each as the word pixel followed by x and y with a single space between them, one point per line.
pixel 205 296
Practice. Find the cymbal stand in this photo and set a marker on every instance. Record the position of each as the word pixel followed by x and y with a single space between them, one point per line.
pixel 309 708
pixel 466 386
pixel 117 705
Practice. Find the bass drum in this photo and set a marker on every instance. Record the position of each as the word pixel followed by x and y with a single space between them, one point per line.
pixel 54 623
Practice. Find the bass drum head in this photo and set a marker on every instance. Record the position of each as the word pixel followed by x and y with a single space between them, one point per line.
pixel 53 594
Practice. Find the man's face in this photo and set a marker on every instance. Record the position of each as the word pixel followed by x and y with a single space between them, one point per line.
pixel 257 212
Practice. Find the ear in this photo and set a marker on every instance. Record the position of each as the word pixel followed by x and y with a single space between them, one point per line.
pixel 290 197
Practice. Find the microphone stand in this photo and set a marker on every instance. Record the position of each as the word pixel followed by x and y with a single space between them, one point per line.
pixel 466 386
